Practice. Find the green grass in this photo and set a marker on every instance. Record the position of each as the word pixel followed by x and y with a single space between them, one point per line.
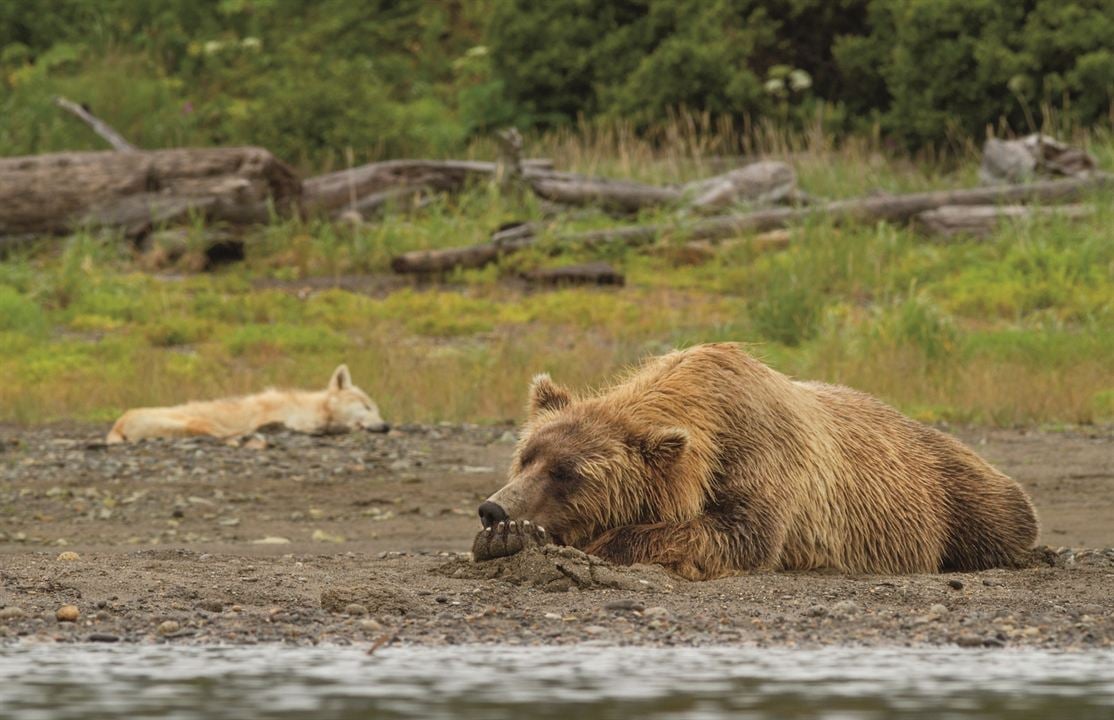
pixel 1014 329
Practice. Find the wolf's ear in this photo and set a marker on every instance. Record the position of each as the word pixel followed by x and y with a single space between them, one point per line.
pixel 341 379
pixel 547 395
pixel 662 448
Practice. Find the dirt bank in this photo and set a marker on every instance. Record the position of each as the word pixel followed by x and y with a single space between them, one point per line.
pixel 360 538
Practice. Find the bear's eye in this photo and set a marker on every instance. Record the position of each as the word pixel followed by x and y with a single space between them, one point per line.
pixel 563 473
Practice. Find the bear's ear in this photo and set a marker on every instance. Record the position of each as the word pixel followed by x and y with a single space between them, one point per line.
pixel 661 448
pixel 341 379
pixel 547 395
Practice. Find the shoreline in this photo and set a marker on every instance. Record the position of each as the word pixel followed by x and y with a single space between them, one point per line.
pixel 359 540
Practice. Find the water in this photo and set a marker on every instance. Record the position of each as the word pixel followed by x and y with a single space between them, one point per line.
pixel 56 682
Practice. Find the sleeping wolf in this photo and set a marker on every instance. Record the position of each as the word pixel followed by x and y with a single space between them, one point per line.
pixel 340 407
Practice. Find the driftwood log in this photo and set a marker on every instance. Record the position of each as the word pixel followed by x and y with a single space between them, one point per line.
pixel 765 182
pixel 893 208
pixel 593 273
pixel 134 191
pixel 367 187
pixel 983 220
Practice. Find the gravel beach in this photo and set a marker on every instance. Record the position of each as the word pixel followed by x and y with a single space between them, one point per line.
pixel 363 539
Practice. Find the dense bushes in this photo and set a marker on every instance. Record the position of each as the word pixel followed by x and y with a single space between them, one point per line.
pixel 310 79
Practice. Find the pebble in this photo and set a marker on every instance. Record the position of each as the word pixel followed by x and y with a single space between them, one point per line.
pixel 355 609
pixel 938 609
pixel 68 613
pixel 322 536
pixel 68 556
pixel 816 611
pixel 594 629
pixel 955 584
pixel 271 540
pixel 103 637
pixel 655 613
pixel 969 641
pixel 370 625
pixel 624 605
pixel 214 606
pixel 846 608
pixel 168 627
pixel 11 613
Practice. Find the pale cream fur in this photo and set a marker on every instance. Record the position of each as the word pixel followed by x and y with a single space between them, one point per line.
pixel 340 407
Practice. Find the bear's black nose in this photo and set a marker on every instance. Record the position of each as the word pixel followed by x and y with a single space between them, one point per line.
pixel 492 513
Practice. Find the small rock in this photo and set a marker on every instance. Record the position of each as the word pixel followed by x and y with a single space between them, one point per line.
pixel 846 608
pixel 214 606
pixel 552 616
pixel 322 536
pixel 938 610
pixel 68 556
pixel 656 613
pixel 594 629
pixel 168 627
pixel 355 609
pixel 11 613
pixel 624 605
pixel 103 637
pixel 370 625
pixel 969 641
pixel 68 613
pixel 271 540
pixel 955 584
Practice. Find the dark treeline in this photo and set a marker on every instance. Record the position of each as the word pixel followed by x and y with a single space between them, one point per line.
pixel 310 78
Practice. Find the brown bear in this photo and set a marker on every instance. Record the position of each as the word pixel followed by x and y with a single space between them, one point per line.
pixel 708 462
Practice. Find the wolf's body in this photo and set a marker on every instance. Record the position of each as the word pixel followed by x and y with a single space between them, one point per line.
pixel 340 407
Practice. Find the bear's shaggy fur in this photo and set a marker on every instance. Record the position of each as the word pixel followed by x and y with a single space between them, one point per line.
pixel 709 462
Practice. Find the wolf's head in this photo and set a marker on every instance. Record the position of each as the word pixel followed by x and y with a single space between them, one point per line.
pixel 347 407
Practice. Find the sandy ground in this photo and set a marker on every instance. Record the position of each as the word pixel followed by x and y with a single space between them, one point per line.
pixel 364 538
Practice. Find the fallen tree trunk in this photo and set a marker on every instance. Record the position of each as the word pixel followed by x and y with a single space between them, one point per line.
pixel 56 193
pixel 760 182
pixel 983 220
pixel 593 273
pixel 894 208
pixel 345 190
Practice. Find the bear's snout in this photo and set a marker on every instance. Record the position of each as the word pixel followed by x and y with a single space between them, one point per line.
pixel 492 514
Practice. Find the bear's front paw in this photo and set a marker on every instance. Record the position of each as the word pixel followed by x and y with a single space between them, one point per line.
pixel 507 538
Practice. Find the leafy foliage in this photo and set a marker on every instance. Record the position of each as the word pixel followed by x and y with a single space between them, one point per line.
pixel 322 82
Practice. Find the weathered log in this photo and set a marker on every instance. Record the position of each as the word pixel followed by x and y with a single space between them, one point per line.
pixel 344 190
pixel 100 127
pixel 983 220
pixel 59 192
pixel 506 240
pixel 893 208
pixel 760 182
pixel 593 273
pixel 626 197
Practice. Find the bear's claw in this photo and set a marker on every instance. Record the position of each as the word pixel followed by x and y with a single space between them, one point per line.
pixel 508 538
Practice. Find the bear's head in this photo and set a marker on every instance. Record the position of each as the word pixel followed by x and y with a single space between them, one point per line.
pixel 580 468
